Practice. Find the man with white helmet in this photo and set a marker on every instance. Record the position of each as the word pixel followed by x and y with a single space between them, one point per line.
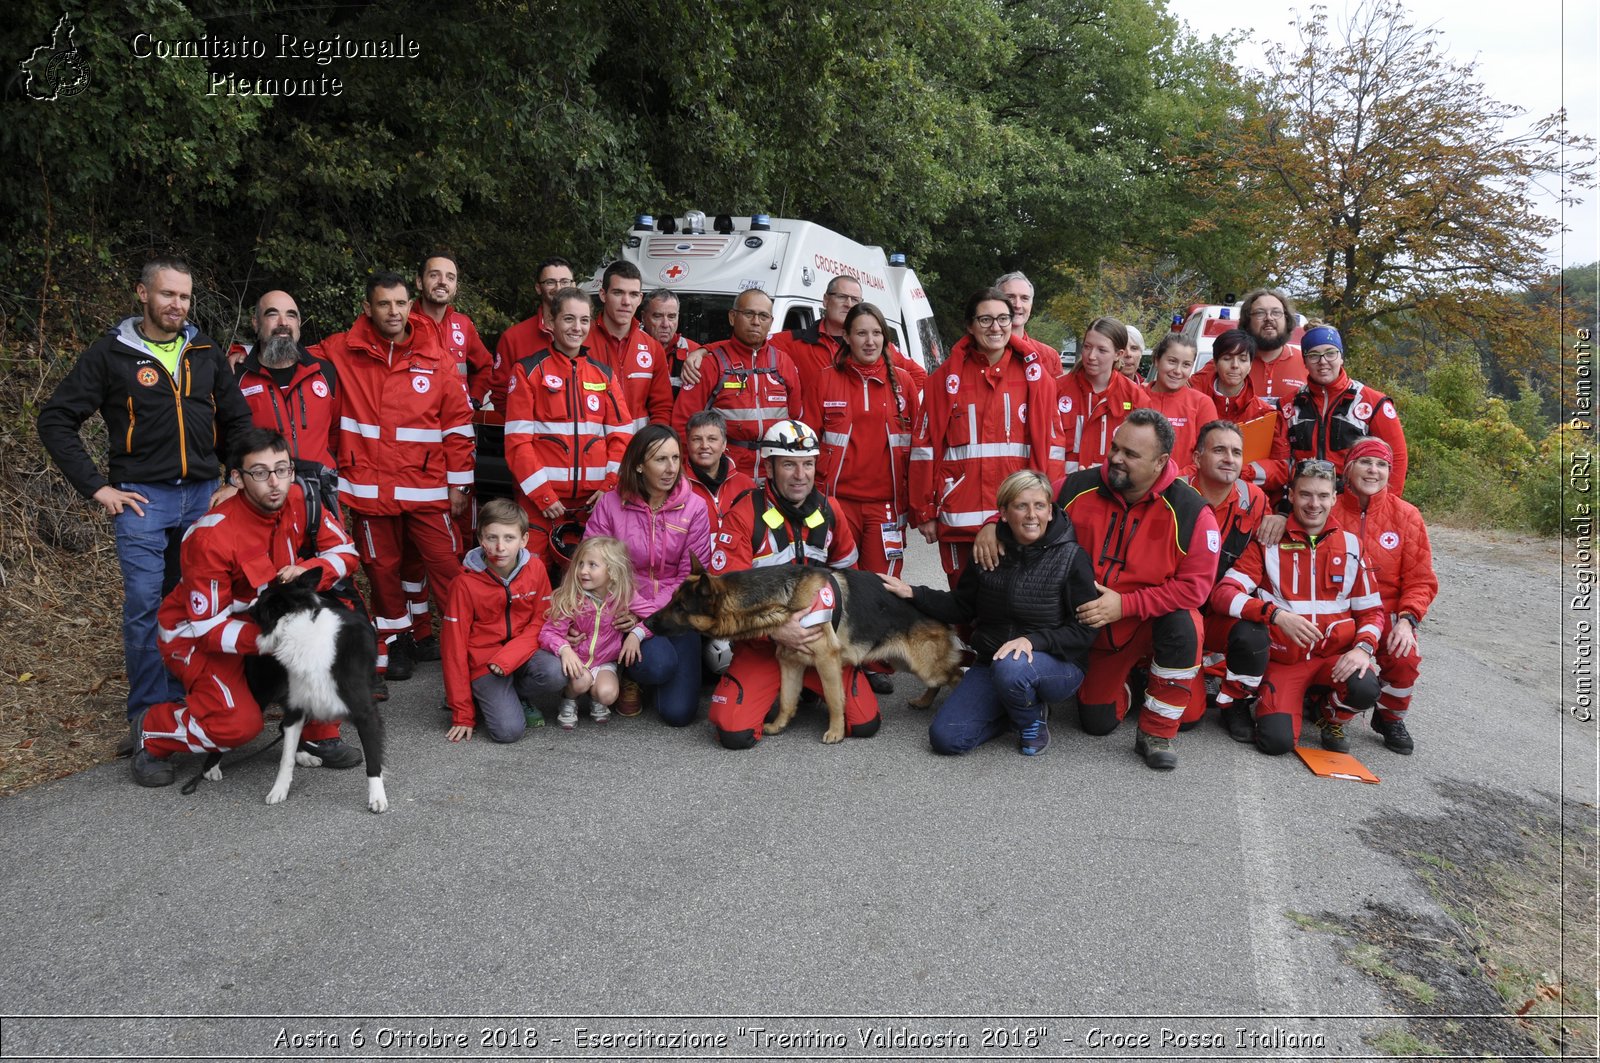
pixel 787 521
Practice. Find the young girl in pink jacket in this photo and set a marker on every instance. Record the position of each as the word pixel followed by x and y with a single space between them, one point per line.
pixel 583 630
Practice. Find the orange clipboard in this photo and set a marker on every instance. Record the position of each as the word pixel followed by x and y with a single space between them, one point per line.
pixel 1332 765
pixel 1258 436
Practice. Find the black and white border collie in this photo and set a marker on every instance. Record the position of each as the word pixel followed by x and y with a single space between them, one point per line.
pixel 317 660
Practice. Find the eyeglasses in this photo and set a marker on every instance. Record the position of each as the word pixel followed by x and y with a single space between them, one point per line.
pixel 1266 315
pixel 556 282
pixel 261 475
pixel 1324 356
pixel 993 320
pixel 759 317
pixel 849 300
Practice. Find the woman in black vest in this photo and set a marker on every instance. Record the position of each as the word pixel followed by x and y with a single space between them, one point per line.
pixel 1030 646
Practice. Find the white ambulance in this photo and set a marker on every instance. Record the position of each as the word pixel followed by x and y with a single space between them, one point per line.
pixel 707 266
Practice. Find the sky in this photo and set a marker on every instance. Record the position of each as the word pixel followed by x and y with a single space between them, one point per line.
pixel 1538 54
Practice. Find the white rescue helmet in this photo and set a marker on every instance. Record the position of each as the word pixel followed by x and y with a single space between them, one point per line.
pixel 789 439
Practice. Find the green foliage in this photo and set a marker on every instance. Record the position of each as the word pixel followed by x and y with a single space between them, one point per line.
pixel 1561 490
pixel 1470 462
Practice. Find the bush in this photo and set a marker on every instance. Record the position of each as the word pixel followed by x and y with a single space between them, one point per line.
pixel 1562 479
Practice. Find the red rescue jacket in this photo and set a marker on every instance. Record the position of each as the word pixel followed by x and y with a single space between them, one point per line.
pixel 466 349
pixel 1088 419
pixel 865 431
pixel 1327 422
pixel 1271 474
pixel 305 411
pixel 405 438
pixel 567 424
pixel 1275 382
pixel 488 620
pixel 980 423
pixel 1160 552
pixel 752 389
pixel 638 363
pixel 228 557
pixel 758 532
pixel 1322 577
pixel 815 350
pixel 526 337
pixel 1394 540
pixel 720 491
pixel 1186 410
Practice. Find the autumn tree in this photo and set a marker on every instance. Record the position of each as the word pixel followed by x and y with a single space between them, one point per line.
pixel 1403 187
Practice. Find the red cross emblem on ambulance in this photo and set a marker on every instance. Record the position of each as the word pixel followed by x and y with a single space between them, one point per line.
pixel 674 271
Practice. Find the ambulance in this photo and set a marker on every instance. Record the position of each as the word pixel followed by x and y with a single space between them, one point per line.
pixel 707 267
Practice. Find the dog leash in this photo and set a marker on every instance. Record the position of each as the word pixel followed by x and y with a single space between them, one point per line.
pixel 194 784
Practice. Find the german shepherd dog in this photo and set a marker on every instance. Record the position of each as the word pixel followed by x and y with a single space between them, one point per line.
pixel 317 659
pixel 869 624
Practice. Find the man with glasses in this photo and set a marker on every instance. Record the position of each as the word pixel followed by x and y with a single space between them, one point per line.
pixel 1332 412
pixel 1278 371
pixel 228 558
pixel 752 383
pixel 166 393
pixel 820 345
pixel 531 335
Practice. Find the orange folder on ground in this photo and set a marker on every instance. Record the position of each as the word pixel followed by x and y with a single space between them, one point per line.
pixel 1258 436
pixel 1332 765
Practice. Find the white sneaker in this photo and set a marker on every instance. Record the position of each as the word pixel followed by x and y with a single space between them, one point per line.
pixel 567 714
pixel 599 713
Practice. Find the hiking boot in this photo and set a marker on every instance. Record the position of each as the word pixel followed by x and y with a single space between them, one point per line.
pixel 629 703
pixel 1157 752
pixel 426 649
pixel 1035 738
pixel 600 713
pixel 148 769
pixel 1333 737
pixel 1240 724
pixel 567 714
pixel 380 689
pixel 402 662
pixel 1395 735
pixel 333 752
pixel 880 682
pixel 531 717
pixel 1213 684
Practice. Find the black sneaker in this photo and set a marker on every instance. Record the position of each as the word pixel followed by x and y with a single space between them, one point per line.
pixel 402 662
pixel 880 682
pixel 426 649
pixel 333 752
pixel 151 770
pixel 1035 738
pixel 1334 739
pixel 1240 724
pixel 1395 735
pixel 1157 752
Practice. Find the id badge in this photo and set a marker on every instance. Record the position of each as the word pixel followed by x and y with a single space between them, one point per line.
pixel 894 541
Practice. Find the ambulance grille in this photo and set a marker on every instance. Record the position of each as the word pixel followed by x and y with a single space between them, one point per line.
pixel 686 246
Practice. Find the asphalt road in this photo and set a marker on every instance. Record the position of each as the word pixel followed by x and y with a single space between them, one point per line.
pixel 640 882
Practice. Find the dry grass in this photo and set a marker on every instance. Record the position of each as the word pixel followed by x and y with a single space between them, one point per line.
pixel 62 687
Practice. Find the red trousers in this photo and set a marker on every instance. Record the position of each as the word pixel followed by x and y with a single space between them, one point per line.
pixel 867 522
pixel 1283 691
pixel 1399 677
pixel 953 556
pixel 382 543
pixel 219 713
pixel 750 687
pixel 1172 645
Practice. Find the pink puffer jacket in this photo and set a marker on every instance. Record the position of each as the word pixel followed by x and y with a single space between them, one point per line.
pixel 659 541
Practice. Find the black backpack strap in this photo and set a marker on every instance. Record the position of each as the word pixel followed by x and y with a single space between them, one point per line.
pixel 313 497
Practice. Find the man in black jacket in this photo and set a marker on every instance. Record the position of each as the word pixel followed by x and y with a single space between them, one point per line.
pixel 166 394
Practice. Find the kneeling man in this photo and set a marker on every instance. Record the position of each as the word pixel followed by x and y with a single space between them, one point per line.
pixel 229 556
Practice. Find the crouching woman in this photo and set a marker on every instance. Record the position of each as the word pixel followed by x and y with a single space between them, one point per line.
pixel 1030 646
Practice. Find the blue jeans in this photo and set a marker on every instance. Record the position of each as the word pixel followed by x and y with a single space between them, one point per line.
pixel 147 550
pixel 671 664
pixel 997 695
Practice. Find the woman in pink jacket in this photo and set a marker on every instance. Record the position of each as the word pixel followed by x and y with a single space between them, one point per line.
pixel 662 522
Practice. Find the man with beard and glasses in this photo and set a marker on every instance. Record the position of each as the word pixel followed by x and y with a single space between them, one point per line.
pixel 1278 371
pixel 293 392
